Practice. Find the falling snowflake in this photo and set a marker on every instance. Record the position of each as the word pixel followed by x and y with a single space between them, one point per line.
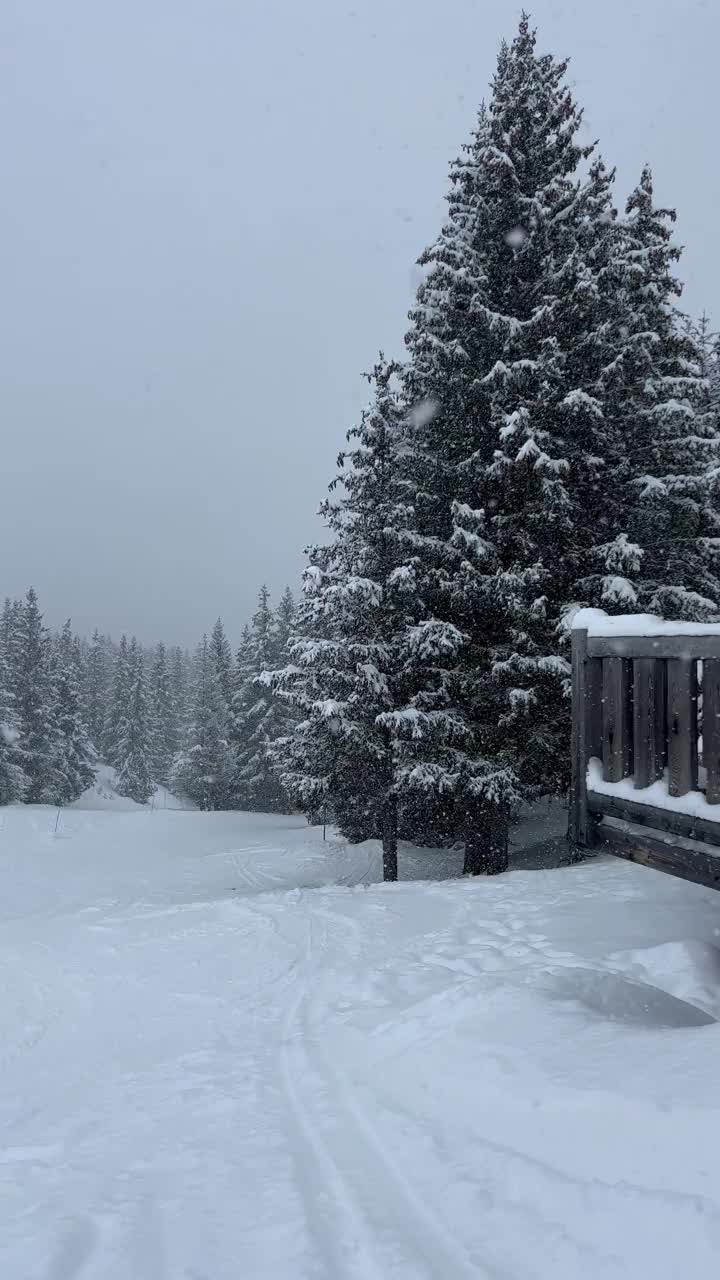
pixel 516 237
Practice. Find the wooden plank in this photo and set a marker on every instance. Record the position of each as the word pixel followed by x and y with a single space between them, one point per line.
pixel 679 824
pixel 616 722
pixel 711 728
pixel 578 829
pixel 700 646
pixel 593 707
pixel 688 864
pixel 644 726
pixel 660 716
pixel 682 725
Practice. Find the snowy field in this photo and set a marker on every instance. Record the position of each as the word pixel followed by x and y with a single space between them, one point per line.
pixel 226 1052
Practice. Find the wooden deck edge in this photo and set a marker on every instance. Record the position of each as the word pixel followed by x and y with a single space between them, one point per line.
pixel 677 824
pixel 660 854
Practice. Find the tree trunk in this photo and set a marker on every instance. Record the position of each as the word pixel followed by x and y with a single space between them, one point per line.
pixel 486 844
pixel 389 839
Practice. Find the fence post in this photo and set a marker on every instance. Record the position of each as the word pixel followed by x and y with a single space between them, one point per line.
pixel 617 719
pixel 682 725
pixel 711 728
pixel 578 828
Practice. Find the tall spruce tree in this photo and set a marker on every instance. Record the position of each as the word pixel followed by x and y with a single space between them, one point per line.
pixel 355 657
pixel 203 770
pixel 13 782
pixel 220 656
pixel 96 683
pixel 116 720
pixel 258 717
pixel 134 745
pixel 512 456
pixel 165 724
pixel 38 741
pixel 180 672
pixel 74 751
pixel 671 472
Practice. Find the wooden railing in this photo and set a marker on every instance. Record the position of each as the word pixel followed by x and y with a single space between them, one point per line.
pixel 642 707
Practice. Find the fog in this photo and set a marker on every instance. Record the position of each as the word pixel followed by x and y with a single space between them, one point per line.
pixel 209 215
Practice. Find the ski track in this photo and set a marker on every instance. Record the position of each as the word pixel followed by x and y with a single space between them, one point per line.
pixel 250 1104
pixel 391 1206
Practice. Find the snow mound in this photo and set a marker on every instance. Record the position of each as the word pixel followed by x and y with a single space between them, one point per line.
pixel 688 971
pixel 622 999
pixel 104 796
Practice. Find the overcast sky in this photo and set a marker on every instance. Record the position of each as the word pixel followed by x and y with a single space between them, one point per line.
pixel 209 214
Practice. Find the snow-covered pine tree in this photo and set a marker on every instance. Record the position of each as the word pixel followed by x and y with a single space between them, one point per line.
pixel 360 641
pixel 259 719
pixel 180 673
pixel 285 619
pixel 134 747
pixel 672 472
pixel 220 655
pixel 96 685
pixel 13 781
pixel 38 742
pixel 116 721
pixel 203 769
pixel 510 451
pixel 74 752
pixel 166 729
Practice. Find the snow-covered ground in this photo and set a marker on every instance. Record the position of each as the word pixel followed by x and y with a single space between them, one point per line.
pixel 226 1052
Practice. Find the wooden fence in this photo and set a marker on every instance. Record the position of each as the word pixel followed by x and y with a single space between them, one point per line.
pixel 642 705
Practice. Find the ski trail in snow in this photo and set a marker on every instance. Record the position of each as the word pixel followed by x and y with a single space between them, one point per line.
pixel 377 1198
pixel 340 1232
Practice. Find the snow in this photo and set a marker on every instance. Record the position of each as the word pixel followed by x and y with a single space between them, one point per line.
pixel 227 1051
pixel 598 623
pixel 657 794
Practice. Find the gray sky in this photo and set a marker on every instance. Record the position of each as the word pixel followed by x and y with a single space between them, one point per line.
pixel 209 214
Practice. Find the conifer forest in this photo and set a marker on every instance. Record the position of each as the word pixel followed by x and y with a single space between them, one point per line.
pixel 547 440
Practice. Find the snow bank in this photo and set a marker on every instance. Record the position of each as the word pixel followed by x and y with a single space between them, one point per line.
pixel 103 796
pixel 598 623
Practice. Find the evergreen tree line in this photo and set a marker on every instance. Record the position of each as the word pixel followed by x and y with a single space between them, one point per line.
pixel 200 725
pixel 550 441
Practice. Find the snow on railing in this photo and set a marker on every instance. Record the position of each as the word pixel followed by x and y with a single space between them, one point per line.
pixel 645 724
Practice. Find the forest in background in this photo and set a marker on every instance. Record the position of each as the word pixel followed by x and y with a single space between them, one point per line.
pixel 549 441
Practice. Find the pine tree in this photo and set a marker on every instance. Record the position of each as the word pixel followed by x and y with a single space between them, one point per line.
pixel 13 781
pixel 203 769
pixel 514 451
pixel 361 644
pixel 166 729
pixel 284 622
pixel 74 753
pixel 220 655
pixel 38 741
pixel 135 741
pixel 116 728
pixel 258 717
pixel 672 471
pixel 96 686
pixel 180 671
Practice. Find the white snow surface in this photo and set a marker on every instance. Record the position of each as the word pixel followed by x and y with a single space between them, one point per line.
pixel 598 623
pixel 227 1051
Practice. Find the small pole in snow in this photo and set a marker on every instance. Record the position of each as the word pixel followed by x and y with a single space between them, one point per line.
pixel 324 821
pixel 57 820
